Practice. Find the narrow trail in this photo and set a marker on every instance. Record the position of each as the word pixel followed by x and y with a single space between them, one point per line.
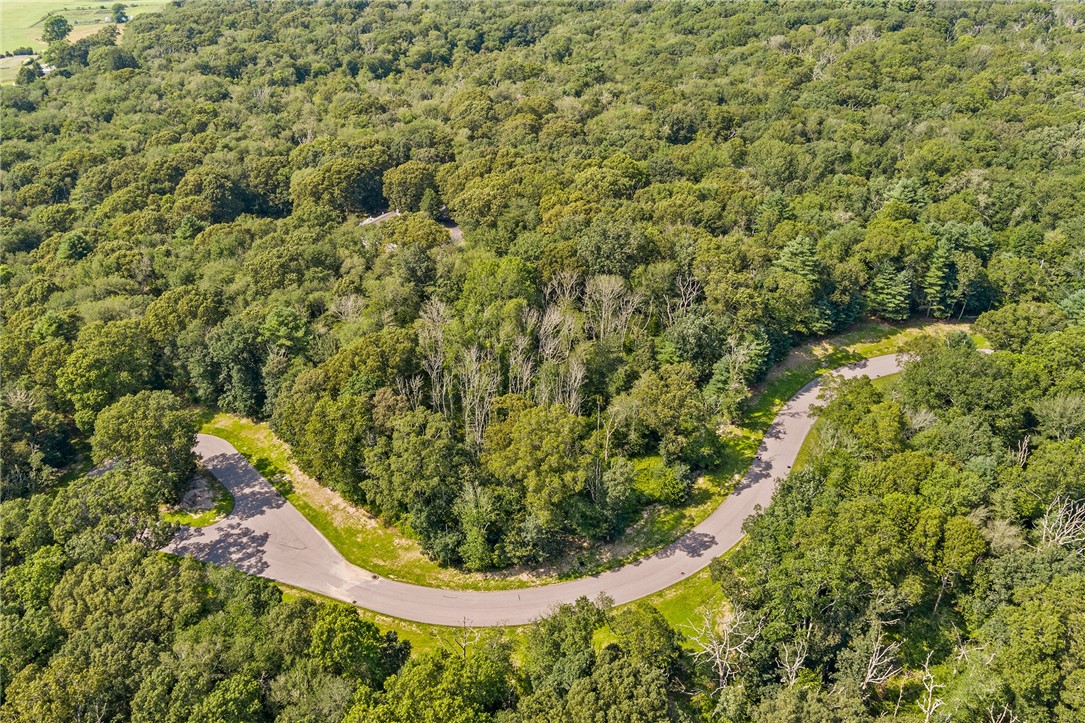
pixel 266 536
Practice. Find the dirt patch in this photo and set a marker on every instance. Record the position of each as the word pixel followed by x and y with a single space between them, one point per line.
pixel 342 513
pixel 199 497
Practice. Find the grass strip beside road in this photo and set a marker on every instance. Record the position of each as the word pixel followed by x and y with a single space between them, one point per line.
pixel 389 552
pixel 359 537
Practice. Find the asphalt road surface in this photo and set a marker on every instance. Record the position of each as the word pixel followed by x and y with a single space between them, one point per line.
pixel 266 536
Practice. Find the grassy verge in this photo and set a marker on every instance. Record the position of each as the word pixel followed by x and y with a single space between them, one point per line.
pixel 224 504
pixel 680 604
pixel 360 538
pixel 370 544
pixel 423 638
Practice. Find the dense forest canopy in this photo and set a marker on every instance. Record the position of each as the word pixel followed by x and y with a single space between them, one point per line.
pixel 615 218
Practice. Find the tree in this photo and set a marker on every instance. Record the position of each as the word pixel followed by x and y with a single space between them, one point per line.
pixel 1035 654
pixel 538 449
pixel 431 688
pixel 558 650
pixel 344 185
pixel 620 690
pixel 306 693
pixel 647 638
pixel 673 409
pixel 234 700
pixel 118 12
pixel 109 361
pixel 1012 326
pixel 415 477
pixel 149 427
pixel 962 545
pixel 55 29
pixel 889 295
pixel 92 514
pixel 209 194
pixel 937 282
pixel 406 185
pixel 344 644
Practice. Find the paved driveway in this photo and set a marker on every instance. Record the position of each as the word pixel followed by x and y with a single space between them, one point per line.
pixel 265 535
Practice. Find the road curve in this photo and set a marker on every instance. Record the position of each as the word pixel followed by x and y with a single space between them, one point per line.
pixel 264 535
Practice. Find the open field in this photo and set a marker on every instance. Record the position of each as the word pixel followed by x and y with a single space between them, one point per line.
pixel 9 67
pixel 21 20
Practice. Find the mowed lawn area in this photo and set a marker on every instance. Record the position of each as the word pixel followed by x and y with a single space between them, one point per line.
pixel 21 21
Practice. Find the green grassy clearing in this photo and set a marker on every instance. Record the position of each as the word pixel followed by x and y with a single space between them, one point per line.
pixel 224 504
pixel 9 67
pixel 680 604
pixel 21 20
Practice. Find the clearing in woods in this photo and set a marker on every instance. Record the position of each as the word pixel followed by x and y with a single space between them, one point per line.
pixel 21 21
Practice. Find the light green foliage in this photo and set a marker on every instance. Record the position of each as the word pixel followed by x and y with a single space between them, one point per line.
pixel 1012 326
pixel 407 184
pixel 558 649
pixel 537 449
pixel 345 644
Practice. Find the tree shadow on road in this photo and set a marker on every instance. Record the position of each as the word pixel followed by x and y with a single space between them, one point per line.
pixel 252 493
pixel 229 544
pixel 692 544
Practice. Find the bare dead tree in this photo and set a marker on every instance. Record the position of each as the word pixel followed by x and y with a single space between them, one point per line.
pixel 722 639
pixel 687 289
pixel 521 366
pixel 609 305
pixel 20 398
pixel 1063 524
pixel 562 288
pixel 479 378
pixel 432 322
pixel 411 389
pixel 793 656
pixel 882 663
pixel 570 380
pixel 826 59
pixel 461 639
pixel 1022 452
pixel 861 34
pixel 1003 715
pixel 547 383
pixel 557 333
pixel 929 703
pixel 623 410
pixel 963 650
pixel 602 296
pixel 348 308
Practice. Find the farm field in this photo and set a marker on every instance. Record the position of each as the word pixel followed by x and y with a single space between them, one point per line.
pixel 21 23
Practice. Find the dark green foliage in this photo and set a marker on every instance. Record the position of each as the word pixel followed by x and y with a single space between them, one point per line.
pixel 652 203
pixel 952 537
pixel 150 427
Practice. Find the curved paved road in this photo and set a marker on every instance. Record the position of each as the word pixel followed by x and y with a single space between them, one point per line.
pixel 265 535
